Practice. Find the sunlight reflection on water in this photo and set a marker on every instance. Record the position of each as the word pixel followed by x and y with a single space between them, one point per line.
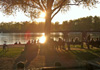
pixel 11 38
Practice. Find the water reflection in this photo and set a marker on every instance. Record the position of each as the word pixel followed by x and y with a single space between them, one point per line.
pixel 11 38
pixel 42 39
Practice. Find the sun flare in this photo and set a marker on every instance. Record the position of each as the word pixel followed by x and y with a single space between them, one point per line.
pixel 42 15
pixel 42 39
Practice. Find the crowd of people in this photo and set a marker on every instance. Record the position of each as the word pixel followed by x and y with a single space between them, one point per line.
pixel 60 43
pixel 93 42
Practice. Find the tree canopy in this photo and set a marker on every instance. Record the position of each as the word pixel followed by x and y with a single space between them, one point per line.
pixel 35 6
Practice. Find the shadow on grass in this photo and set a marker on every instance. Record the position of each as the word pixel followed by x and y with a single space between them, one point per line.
pixel 85 55
pixel 20 58
pixel 26 56
pixel 50 55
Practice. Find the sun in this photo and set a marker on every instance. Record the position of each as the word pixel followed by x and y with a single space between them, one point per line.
pixel 42 39
pixel 42 15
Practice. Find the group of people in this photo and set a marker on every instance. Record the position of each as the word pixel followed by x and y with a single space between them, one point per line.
pixel 17 43
pixel 94 42
pixel 58 44
pixel 76 40
pixel 33 42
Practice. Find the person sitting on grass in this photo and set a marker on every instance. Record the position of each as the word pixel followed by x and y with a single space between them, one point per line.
pixel 19 42
pixel 15 43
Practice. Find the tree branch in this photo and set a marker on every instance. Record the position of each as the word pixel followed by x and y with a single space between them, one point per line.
pixel 66 4
pixel 58 6
pixel 38 4
pixel 56 13
pixel 43 5
pixel 33 6
pixel 8 7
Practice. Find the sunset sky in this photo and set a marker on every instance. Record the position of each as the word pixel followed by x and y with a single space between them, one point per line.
pixel 74 13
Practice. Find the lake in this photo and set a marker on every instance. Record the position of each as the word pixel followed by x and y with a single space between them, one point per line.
pixel 11 38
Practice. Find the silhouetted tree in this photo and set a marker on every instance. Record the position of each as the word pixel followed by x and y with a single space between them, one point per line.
pixel 51 7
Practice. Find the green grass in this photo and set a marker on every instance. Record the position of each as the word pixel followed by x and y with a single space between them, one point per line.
pixel 86 54
pixel 79 54
pixel 12 52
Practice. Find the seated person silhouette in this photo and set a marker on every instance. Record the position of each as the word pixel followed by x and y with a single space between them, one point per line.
pixel 15 43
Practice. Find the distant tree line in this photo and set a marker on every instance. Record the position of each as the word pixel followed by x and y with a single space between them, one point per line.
pixel 21 27
pixel 82 24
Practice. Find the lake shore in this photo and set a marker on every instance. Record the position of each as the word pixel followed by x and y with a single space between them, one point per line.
pixel 13 45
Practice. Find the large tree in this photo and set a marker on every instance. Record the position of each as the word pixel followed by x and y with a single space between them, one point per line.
pixel 51 7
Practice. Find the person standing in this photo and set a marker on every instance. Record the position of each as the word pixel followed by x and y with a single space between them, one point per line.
pixel 4 46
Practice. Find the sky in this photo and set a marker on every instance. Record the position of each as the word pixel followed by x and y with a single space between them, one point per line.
pixel 75 12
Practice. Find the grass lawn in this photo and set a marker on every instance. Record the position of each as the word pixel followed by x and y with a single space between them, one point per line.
pixel 86 54
pixel 8 58
pixel 12 52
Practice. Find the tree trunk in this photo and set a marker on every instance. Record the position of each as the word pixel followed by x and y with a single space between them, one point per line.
pixel 48 19
pixel 48 25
